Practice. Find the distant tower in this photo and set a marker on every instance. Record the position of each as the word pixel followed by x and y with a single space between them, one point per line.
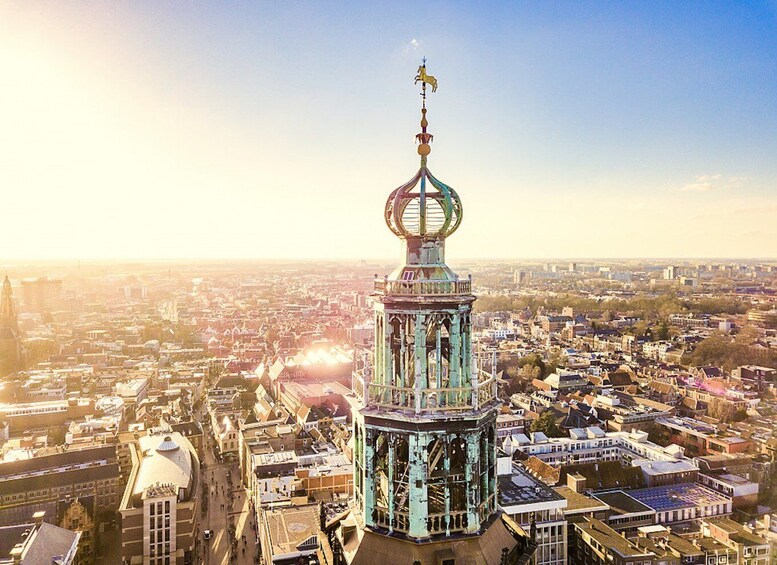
pixel 7 311
pixel 425 421
pixel 10 345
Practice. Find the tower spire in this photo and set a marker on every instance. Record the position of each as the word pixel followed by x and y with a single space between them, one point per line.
pixel 424 138
pixel 424 211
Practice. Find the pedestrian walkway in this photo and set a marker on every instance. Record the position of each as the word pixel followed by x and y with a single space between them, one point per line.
pixel 229 516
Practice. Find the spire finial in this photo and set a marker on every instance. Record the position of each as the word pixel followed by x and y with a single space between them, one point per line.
pixel 424 138
pixel 411 212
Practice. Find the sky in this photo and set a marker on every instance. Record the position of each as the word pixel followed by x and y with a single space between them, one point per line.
pixel 277 129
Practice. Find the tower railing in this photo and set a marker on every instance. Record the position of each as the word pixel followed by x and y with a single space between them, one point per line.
pixel 428 287
pixel 429 400
pixel 439 523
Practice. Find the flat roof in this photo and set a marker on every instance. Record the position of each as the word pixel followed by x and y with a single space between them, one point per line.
pixel 275 458
pixel 673 497
pixel 522 488
pixel 577 502
pixel 610 539
pixel 290 527
pixel 622 503
pixel 660 467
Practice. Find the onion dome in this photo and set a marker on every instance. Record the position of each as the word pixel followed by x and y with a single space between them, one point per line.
pixel 432 212
pixel 424 207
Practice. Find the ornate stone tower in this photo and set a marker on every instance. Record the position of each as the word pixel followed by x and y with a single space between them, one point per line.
pixel 10 344
pixel 424 436
pixel 7 311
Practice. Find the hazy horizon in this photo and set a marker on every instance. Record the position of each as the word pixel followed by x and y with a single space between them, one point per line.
pixel 227 260
pixel 277 130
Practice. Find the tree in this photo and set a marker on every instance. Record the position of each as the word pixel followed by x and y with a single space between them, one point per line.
pixel 546 423
pixel 56 435
pixel 534 360
pixel 639 328
pixel 662 333
pixel 721 351
pixel 519 372
pixel 271 336
pixel 746 336
pixel 521 377
pixel 721 409
pixel 247 400
pixel 739 416
pixel 555 361
pixel 495 303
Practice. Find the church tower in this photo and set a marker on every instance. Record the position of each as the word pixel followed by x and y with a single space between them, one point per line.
pixel 10 345
pixel 424 430
pixel 7 311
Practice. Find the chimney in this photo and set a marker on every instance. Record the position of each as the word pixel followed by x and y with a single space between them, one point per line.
pixel 576 482
pixel 38 517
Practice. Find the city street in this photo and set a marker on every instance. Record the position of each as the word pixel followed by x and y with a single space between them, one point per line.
pixel 226 506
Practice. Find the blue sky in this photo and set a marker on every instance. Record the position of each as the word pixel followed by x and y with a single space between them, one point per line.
pixel 277 129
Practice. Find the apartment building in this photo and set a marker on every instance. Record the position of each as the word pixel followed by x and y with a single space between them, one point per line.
pixel 592 445
pixel 703 439
pixel 535 507
pixel 596 543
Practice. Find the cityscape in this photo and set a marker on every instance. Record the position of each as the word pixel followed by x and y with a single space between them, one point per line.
pixel 481 397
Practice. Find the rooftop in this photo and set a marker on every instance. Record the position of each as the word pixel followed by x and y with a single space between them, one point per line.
pixel 275 458
pixel 521 488
pixel 661 467
pixel 39 544
pixel 610 539
pixel 673 497
pixel 622 503
pixel 167 460
pixel 577 502
pixel 737 532
pixel 289 528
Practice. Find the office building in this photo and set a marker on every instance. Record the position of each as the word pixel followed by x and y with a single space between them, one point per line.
pixel 159 510
pixel 41 295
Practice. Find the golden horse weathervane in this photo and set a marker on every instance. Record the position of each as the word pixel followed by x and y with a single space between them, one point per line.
pixel 424 138
pixel 424 78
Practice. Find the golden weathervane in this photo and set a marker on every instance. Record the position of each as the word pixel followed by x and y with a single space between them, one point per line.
pixel 424 78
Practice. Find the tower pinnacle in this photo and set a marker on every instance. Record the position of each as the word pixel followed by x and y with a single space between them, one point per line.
pixel 424 138
pixel 432 213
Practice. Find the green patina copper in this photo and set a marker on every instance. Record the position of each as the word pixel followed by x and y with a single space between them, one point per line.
pixel 426 432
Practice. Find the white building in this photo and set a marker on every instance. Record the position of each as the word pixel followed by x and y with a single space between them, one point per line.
pixel 592 445
pixel 534 505
pixel 132 391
